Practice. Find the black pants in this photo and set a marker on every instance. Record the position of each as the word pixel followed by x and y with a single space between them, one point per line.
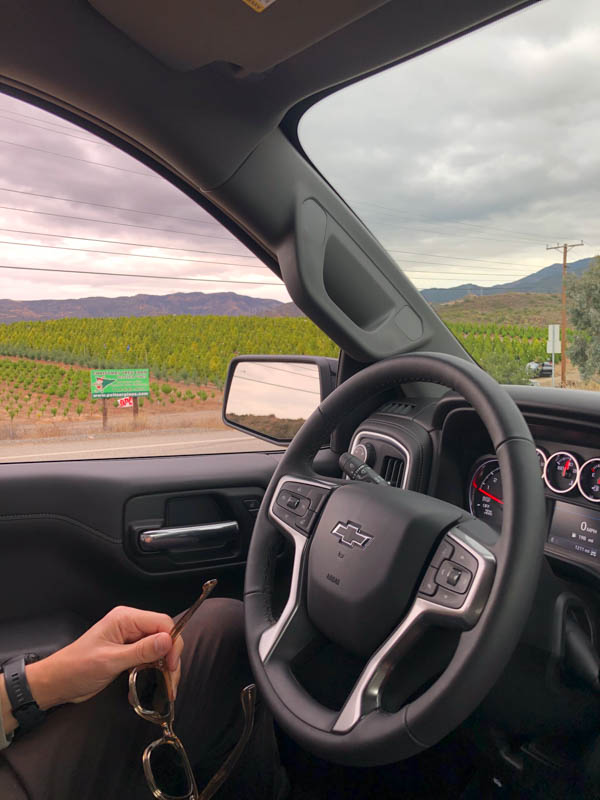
pixel 93 750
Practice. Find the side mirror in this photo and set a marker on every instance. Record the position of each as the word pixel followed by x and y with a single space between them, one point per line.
pixel 271 396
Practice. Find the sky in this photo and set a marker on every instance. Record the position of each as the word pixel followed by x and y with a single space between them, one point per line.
pixel 285 389
pixel 485 148
pixel 135 221
pixel 465 162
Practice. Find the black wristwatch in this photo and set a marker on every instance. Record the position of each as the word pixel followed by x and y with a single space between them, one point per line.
pixel 24 708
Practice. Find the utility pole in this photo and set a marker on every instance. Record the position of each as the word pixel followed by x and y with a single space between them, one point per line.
pixel 563 327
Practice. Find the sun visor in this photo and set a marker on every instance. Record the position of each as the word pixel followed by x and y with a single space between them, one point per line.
pixel 340 286
pixel 253 34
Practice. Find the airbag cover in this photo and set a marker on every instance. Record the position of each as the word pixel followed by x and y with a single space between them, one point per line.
pixel 367 557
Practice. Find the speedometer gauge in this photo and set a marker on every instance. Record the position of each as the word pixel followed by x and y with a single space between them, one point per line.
pixel 561 472
pixel 485 493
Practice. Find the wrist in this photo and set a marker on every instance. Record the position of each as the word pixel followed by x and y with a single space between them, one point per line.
pixel 45 683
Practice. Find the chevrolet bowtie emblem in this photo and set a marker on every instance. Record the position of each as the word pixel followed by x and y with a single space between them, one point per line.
pixel 349 533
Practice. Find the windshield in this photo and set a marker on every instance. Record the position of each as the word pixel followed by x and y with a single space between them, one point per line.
pixel 468 163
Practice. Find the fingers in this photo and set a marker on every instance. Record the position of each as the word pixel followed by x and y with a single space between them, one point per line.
pixel 174 654
pixel 130 624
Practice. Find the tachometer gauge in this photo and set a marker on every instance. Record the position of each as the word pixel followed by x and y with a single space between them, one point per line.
pixel 561 472
pixel 589 480
pixel 485 493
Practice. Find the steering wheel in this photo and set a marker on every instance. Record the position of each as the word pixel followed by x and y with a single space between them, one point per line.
pixel 375 568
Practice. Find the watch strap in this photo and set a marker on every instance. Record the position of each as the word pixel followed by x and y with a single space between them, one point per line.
pixel 24 708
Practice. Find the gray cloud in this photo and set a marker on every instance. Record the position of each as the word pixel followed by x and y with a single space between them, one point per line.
pixel 498 129
pixel 28 165
pixel 485 148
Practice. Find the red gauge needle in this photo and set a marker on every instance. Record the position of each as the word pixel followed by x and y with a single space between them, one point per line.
pixel 487 494
pixel 566 467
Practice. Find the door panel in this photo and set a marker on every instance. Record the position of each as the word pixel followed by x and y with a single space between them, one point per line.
pixel 69 533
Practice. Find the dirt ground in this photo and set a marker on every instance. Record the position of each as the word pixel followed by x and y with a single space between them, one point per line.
pixel 39 415
pixel 574 380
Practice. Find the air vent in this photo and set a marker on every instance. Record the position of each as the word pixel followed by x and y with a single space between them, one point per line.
pixel 397 408
pixel 392 470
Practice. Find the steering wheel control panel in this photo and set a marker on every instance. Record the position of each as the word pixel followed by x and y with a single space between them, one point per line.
pixel 450 575
pixel 297 504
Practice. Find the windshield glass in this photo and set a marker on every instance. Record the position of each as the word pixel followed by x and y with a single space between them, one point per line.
pixel 468 163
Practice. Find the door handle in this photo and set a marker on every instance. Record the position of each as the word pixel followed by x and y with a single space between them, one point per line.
pixel 188 536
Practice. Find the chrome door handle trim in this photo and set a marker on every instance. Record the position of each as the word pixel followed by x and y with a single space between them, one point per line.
pixel 185 536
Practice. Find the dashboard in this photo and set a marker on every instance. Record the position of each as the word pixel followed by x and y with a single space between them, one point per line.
pixel 442 448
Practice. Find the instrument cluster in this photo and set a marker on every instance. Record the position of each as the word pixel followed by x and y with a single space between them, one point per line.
pixel 562 472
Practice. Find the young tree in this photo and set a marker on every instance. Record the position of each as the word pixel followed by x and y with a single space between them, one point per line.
pixel 583 299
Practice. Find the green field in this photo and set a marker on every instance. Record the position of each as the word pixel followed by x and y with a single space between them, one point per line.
pixel 196 350
pixel 183 348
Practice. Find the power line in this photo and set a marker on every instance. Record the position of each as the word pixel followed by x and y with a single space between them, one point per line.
pixel 53 130
pixel 119 223
pixel 199 222
pixel 464 258
pixel 113 253
pixel 137 275
pixel 84 160
pixel 52 121
pixel 128 244
pixel 429 273
pixel 278 385
pixel 503 273
pixel 115 208
pixel 451 233
pixel 468 224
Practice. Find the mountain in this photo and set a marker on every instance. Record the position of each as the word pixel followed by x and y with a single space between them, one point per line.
pixel 512 308
pixel 547 280
pixel 146 305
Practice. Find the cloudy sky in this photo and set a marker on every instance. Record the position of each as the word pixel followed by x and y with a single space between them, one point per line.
pixel 465 162
pixel 115 216
pixel 486 148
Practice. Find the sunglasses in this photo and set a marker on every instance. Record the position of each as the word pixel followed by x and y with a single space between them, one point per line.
pixel 166 765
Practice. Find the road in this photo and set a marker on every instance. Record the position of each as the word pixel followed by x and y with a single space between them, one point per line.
pixel 126 445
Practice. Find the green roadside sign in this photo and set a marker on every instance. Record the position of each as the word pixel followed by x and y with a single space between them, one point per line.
pixel 120 382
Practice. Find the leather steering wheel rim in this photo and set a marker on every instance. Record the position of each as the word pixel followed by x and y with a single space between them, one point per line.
pixel 483 650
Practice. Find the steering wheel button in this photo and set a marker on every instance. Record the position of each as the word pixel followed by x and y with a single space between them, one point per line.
pixel 463 558
pixel 443 553
pixel 428 585
pixel 306 522
pixel 283 498
pixel 285 516
pixel 450 599
pixel 452 576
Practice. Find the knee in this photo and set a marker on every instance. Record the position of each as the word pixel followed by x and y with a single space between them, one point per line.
pixel 219 624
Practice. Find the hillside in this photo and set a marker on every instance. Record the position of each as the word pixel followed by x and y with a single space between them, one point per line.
pixel 228 304
pixel 511 308
pixel 547 281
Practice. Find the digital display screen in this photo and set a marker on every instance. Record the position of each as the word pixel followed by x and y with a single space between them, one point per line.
pixel 575 529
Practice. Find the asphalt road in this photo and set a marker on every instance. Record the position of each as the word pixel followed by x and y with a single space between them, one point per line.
pixel 126 445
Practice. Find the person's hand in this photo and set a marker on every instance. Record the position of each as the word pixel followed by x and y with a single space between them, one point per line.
pixel 124 638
